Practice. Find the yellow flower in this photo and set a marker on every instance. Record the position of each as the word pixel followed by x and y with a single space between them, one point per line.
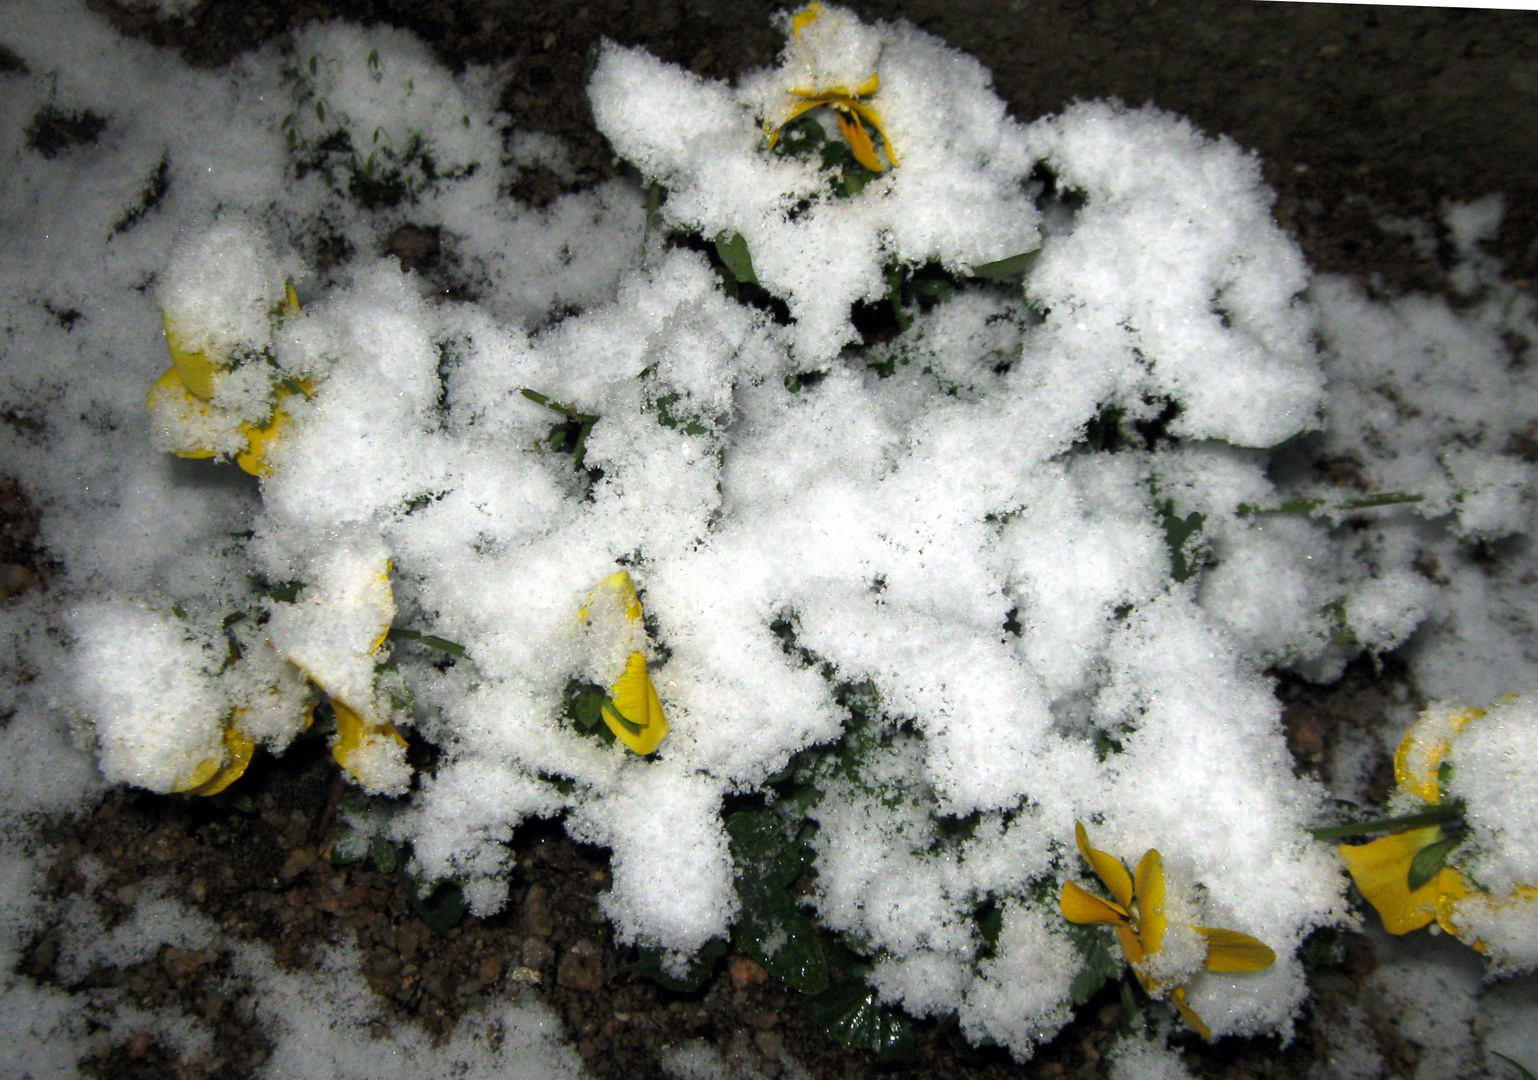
pixel 852 112
pixel 1381 871
pixel 1136 912
pixel 182 399
pixel 633 712
pixel 216 774
pixel 1381 868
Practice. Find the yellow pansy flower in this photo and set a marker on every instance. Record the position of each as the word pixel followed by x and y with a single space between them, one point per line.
pixel 216 774
pixel 851 110
pixel 633 712
pixel 1136 911
pixel 182 399
pixel 1381 869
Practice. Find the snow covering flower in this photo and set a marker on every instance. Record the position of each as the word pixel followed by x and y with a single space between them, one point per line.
pixel 821 46
pixel 1477 766
pixel 333 633
pixel 632 711
pixel 1137 913
pixel 196 425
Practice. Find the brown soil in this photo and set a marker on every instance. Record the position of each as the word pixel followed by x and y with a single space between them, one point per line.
pixel 1356 112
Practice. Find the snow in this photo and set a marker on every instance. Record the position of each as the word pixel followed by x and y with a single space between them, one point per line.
pixel 958 528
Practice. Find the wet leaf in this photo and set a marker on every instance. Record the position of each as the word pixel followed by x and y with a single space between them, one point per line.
pixel 649 964
pixel 853 1016
pixel 1429 860
pixel 1100 964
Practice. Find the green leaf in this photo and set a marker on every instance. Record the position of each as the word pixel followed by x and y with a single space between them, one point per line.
pixel 1429 860
pixel 1517 1065
pixel 286 592
pixel 852 1016
pixel 1178 533
pixel 440 906
pixel 1100 963
pixel 772 929
pixel 382 852
pixel 649 964
pixel 1010 267
pixel 733 250
pixel 428 641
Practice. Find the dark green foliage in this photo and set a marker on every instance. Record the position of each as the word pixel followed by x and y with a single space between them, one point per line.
pixel 852 1015
pixel 1013 266
pixel 569 436
pixel 1182 535
pixel 772 929
pixel 1100 963
pixel 1429 860
pixel 439 904
pixel 584 708
pixel 428 641
pixel 649 965
pixel 733 250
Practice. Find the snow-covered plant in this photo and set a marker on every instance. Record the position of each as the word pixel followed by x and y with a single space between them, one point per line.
pixel 921 474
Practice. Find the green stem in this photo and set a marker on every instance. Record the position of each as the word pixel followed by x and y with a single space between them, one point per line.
pixel 1436 815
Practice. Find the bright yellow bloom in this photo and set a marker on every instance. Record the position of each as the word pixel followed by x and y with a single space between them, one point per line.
pixel 633 712
pixel 852 112
pixel 216 774
pixel 353 733
pixel 1136 912
pixel 183 397
pixel 1381 869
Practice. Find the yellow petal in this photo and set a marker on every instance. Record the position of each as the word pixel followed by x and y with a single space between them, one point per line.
pixel 805 17
pixel 1231 951
pixel 873 118
pixel 1082 906
pixel 199 776
pixel 290 298
pixel 641 723
pixel 858 139
pixel 812 101
pixel 869 86
pixel 1418 760
pixel 622 586
pixel 169 392
pixel 259 440
pixel 195 368
pixel 1381 871
pixel 351 732
pixel 1150 901
pixel 1132 949
pixel 238 748
pixel 1198 1025
pixel 1107 868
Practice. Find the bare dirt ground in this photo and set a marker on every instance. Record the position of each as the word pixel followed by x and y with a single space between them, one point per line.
pixel 1356 112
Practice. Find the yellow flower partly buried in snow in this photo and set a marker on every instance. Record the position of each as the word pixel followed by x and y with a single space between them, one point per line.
pixel 823 40
pixel 1136 911
pixel 1383 868
pixel 181 402
pixel 216 774
pixel 1405 876
pixel 632 710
